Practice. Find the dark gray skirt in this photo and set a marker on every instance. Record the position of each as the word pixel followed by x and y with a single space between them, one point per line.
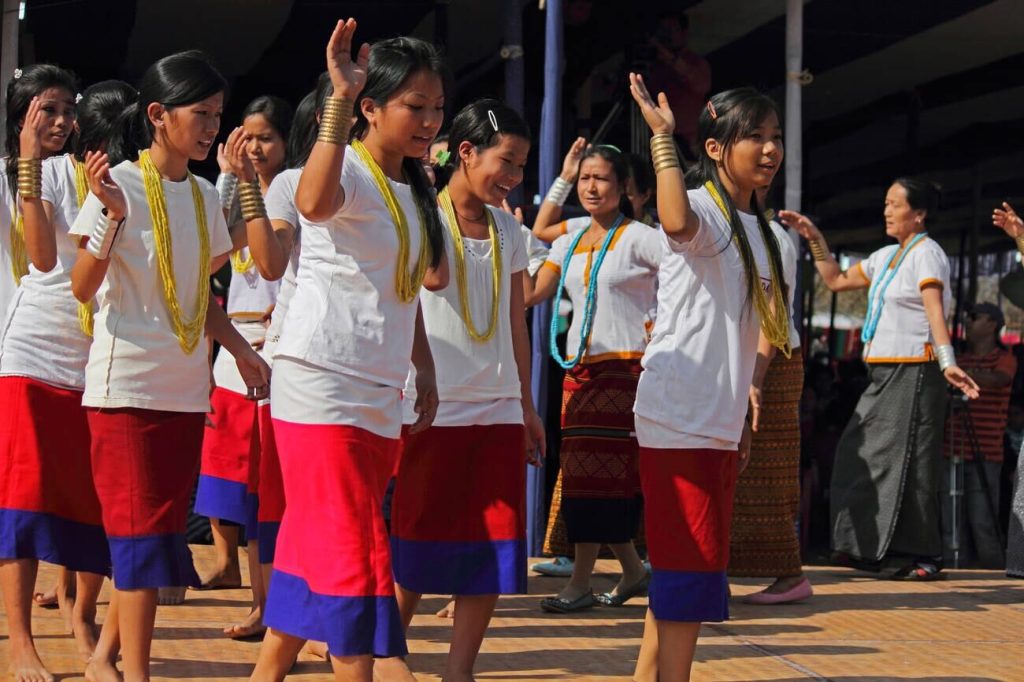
pixel 1015 538
pixel 885 481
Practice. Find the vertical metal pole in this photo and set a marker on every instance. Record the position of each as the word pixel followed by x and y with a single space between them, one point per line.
pixel 832 315
pixel 793 198
pixel 515 76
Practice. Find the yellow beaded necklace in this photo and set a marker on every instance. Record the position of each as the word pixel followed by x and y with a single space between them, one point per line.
pixel 85 310
pixel 189 332
pixel 407 283
pixel 445 200
pixel 19 255
pixel 239 265
pixel 774 315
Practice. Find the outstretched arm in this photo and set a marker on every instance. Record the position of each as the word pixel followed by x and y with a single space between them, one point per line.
pixel 835 278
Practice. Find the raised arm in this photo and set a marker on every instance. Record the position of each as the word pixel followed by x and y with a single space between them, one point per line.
pixel 835 278
pixel 546 224
pixel 677 219
pixel 40 241
pixel 94 251
pixel 319 194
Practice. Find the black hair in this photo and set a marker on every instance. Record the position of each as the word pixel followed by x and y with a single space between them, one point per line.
pixel 277 112
pixel 303 132
pixel 922 194
pixel 20 90
pixel 107 117
pixel 176 80
pixel 473 124
pixel 620 166
pixel 642 173
pixel 738 113
pixel 392 63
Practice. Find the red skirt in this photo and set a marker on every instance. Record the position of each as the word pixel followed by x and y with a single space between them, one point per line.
pixel 688 497
pixel 332 579
pixel 464 532
pixel 229 472
pixel 48 505
pixel 271 488
pixel 144 463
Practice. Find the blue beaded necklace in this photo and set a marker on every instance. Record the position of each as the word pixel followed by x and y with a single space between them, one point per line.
pixel 588 308
pixel 876 292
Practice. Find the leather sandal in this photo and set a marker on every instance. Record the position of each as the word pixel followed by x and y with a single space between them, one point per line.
pixel 561 605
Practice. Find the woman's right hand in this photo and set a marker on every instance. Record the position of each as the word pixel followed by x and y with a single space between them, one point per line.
pixel 658 115
pixel 222 160
pixel 347 76
pixel 97 172
pixel 801 223
pixel 30 142
pixel 237 156
pixel 1008 221
pixel 571 163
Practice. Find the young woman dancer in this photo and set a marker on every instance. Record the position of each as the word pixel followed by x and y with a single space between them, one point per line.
pixel 342 360
pixel 229 474
pixel 467 536
pixel 884 497
pixel 147 379
pixel 608 264
pixel 720 287
pixel 46 510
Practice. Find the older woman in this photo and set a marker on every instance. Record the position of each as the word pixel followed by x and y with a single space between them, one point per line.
pixel 885 499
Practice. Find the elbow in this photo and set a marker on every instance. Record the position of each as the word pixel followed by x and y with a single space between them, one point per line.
pixel 436 281
pixel 269 272
pixel 81 292
pixel 45 263
pixel 315 209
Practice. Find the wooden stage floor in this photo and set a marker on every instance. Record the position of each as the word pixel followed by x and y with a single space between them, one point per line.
pixel 969 627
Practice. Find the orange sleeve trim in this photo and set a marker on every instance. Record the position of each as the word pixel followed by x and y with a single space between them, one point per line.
pixel 563 227
pixel 553 266
pixel 930 281
pixel 860 268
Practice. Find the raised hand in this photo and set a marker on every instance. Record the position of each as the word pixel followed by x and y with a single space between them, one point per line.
pixel 801 223
pixel 222 159
pixel 30 140
pixel 97 172
pixel 347 76
pixel 237 157
pixel 1004 218
pixel 659 116
pixel 571 164
pixel 517 212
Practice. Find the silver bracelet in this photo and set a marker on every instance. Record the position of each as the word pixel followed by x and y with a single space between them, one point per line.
pixel 946 357
pixel 101 240
pixel 227 187
pixel 559 192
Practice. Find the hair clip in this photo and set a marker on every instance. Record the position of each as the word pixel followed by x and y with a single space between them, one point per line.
pixel 442 158
pixel 711 111
pixel 78 98
pixel 609 146
pixel 17 74
pixel 493 119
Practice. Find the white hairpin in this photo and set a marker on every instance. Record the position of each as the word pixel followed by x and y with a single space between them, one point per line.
pixel 493 119
pixel 17 74
pixel 78 98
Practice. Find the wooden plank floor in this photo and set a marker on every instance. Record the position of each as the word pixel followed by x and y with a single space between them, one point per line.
pixel 969 627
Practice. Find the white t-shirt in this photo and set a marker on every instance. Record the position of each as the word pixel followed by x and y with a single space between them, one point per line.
pixel 42 337
pixel 903 333
pixel 225 370
pixel 280 201
pixel 695 386
pixel 790 256
pixel 8 285
pixel 135 359
pixel 626 290
pixel 536 251
pixel 477 383
pixel 249 295
pixel 345 317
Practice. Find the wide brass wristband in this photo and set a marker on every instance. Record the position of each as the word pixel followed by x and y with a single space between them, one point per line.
pixel 335 120
pixel 663 152
pixel 30 178
pixel 818 249
pixel 1020 244
pixel 250 200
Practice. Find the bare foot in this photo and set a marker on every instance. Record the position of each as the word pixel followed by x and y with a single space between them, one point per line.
pixel 448 611
pixel 784 584
pixel 251 627
pixel 47 600
pixel 318 649
pixel 392 669
pixel 86 635
pixel 171 596
pixel 102 671
pixel 229 578
pixel 457 677
pixel 25 665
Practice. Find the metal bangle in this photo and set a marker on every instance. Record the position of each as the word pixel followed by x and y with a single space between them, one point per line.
pixel 101 240
pixel 818 249
pixel 227 185
pixel 30 178
pixel 250 200
pixel 945 356
pixel 335 120
pixel 559 192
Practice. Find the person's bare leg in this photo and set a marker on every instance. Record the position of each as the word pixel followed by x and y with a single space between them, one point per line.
pixel 448 610
pixel 633 570
pixel 677 643
pixel 784 584
pixel 277 656
pixel 253 623
pixel 582 570
pixel 66 584
pixel 18 580
pixel 83 617
pixel 136 619
pixel 647 660
pixel 407 603
pixel 394 667
pixel 472 615
pixel 102 666
pixel 227 573
pixel 353 669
